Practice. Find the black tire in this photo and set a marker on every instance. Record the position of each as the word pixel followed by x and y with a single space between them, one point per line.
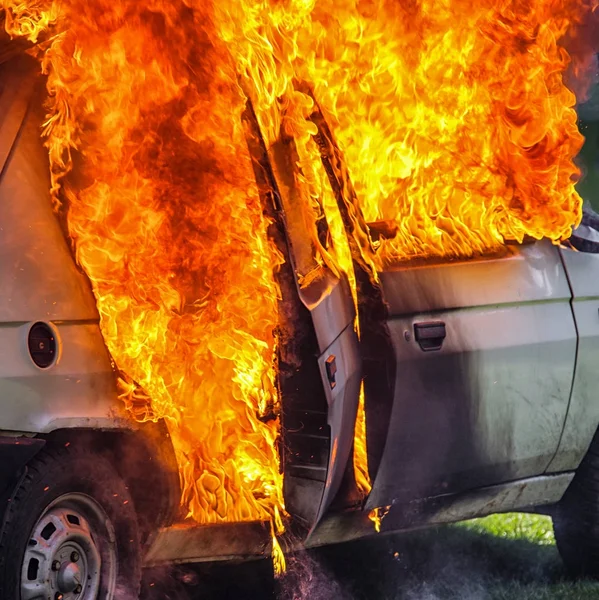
pixel 83 490
pixel 576 520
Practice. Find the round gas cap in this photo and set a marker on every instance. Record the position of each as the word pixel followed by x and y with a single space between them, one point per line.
pixel 42 345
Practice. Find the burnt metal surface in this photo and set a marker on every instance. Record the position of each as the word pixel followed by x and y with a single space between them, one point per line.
pixel 342 399
pixel 209 543
pixel 378 362
pixel 328 298
pixel 583 414
pixel 305 435
pixel 317 438
pixel 585 238
pixel 489 404
pixel 243 541
pixel 521 495
pixel 530 494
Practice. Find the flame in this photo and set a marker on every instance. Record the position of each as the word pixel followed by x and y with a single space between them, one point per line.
pixel 376 515
pixel 166 221
pixel 278 556
pixel 360 455
pixel 454 121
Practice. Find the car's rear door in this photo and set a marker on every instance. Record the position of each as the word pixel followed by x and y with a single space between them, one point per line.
pixel 485 353
pixel 583 414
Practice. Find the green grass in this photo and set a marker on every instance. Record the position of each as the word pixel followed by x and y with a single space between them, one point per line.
pixel 501 557
pixel 527 540
pixel 537 529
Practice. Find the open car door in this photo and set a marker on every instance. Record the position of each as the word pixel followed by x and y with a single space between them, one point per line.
pixel 319 359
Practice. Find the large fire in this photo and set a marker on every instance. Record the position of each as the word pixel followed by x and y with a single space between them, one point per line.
pixel 454 120
pixel 167 222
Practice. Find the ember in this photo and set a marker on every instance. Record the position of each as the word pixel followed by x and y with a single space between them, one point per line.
pixel 458 132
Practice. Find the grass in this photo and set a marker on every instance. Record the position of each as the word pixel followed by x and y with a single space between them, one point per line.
pixel 537 529
pixel 540 574
pixel 501 557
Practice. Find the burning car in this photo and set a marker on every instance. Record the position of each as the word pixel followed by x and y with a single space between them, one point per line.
pixel 416 383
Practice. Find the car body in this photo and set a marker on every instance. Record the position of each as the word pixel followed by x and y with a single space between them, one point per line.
pixel 481 375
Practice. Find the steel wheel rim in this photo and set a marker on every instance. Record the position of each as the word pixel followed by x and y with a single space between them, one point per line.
pixel 71 553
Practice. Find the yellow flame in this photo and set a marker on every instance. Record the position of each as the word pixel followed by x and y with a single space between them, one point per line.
pixel 454 121
pixel 166 221
pixel 376 515
pixel 360 454
pixel 278 556
pixel 454 118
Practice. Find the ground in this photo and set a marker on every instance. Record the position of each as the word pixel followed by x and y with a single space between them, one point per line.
pixel 502 557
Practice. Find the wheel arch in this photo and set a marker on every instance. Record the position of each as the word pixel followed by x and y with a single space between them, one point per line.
pixel 144 457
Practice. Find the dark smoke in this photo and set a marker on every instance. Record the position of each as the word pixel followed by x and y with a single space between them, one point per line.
pixel 448 563
pixel 582 44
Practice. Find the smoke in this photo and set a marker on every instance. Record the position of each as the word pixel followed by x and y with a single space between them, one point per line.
pixel 582 44
pixel 169 583
pixel 307 578
pixel 448 563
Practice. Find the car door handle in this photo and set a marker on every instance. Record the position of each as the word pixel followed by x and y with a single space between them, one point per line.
pixel 430 335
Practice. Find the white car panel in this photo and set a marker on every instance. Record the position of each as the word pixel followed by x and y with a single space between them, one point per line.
pixel 38 277
pixel 78 391
pixel 522 274
pixel 39 282
pixel 490 405
pixel 583 415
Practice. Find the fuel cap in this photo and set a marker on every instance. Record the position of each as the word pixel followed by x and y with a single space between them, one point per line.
pixel 42 345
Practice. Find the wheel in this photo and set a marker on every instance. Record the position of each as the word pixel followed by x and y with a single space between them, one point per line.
pixel 70 532
pixel 576 520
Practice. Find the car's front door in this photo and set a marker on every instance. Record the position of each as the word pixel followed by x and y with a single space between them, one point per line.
pixel 319 360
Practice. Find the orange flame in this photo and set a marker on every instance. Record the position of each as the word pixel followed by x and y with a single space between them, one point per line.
pixel 360 455
pixel 453 118
pixel 166 221
pixel 376 515
pixel 454 121
pixel 278 556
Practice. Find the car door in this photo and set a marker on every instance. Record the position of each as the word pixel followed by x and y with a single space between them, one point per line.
pixel 485 352
pixel 320 374
pixel 467 365
pixel 583 414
